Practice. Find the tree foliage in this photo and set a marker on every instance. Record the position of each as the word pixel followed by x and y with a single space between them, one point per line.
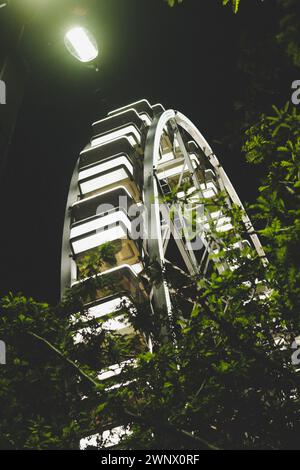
pixel 224 379
pixel 37 391
pixel 234 3
pixel 288 34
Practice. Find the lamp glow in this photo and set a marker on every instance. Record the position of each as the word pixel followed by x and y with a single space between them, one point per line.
pixel 81 44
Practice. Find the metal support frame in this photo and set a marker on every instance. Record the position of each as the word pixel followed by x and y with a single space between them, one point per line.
pixel 155 243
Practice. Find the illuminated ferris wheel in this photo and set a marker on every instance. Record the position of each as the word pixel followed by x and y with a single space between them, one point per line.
pixel 140 159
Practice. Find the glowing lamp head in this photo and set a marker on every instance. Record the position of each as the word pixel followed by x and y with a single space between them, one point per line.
pixel 81 44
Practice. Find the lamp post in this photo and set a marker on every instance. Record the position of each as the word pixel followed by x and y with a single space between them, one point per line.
pixel 81 44
pixel 78 40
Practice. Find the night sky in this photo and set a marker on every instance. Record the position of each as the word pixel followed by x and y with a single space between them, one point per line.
pixel 186 57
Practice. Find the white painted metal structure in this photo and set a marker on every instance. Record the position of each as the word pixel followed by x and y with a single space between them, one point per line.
pixel 142 154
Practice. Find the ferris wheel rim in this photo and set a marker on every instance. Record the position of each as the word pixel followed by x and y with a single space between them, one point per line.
pixel 200 140
pixel 151 162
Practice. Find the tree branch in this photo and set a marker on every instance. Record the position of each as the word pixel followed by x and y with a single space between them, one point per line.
pixel 69 361
pixel 183 432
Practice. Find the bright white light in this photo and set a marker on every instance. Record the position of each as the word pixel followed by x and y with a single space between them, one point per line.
pixel 209 190
pixel 81 44
pixel 104 180
pixel 110 437
pixel 97 224
pixel 114 370
pixel 105 166
pixel 114 135
pixel 114 233
pixel 118 324
pixel 175 170
pixel 146 119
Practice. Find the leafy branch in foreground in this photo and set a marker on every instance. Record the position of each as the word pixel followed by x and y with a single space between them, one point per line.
pixel 234 3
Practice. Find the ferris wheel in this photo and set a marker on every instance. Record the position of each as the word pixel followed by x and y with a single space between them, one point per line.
pixel 141 159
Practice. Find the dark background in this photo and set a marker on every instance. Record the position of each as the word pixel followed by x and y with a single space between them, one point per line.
pixel 220 69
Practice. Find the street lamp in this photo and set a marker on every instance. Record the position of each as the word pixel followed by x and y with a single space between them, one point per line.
pixel 81 44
